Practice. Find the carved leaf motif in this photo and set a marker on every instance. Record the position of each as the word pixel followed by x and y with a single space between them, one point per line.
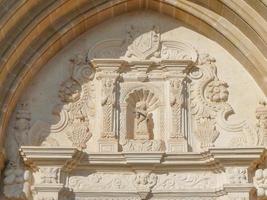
pixel 206 132
pixel 209 98
pixel 79 133
pixel 171 182
pixel 102 182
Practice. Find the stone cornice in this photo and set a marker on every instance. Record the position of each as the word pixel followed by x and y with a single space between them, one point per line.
pixel 214 159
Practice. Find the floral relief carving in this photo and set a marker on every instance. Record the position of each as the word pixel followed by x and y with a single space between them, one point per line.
pixel 237 175
pixel 101 182
pixel 208 100
pixel 49 175
pixel 147 109
pixel 171 182
pixel 77 94
pixel 260 182
pixel 217 91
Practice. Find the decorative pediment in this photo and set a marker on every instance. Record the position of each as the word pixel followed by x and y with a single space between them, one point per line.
pixel 143 46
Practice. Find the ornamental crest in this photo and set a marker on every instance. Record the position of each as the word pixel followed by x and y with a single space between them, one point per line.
pixel 143 45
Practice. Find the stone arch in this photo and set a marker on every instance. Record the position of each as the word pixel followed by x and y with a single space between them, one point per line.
pixel 206 21
pixel 206 120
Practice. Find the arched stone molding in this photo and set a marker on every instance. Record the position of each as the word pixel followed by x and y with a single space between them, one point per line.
pixel 145 182
pixel 166 8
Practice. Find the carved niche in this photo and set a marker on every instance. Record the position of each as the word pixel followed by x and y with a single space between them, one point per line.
pixel 146 102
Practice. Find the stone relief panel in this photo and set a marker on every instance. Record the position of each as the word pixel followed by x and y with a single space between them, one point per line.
pixel 146 93
pixel 209 101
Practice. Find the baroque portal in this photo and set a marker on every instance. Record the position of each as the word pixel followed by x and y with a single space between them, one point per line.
pixel 138 117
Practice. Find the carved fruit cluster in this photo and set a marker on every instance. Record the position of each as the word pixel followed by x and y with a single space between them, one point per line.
pixel 216 91
pixel 69 91
pixel 260 180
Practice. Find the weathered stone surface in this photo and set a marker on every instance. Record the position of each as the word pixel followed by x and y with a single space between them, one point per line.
pixel 146 94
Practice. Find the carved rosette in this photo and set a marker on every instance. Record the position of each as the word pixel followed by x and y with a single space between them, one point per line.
pixel 76 94
pixel 209 97
pixel 108 103
pixel 49 175
pixel 176 102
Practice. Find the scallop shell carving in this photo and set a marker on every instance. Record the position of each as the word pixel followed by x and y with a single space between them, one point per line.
pixel 137 95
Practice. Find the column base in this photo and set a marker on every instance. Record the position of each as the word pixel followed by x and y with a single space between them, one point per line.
pixel 177 145
pixel 108 145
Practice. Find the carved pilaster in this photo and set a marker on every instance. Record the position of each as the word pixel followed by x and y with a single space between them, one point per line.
pixel 175 102
pixel 261 115
pixel 50 167
pixel 107 74
pixel 177 141
pixel 48 184
pixel 108 103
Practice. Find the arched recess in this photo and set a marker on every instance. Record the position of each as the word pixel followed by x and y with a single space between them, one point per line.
pixel 66 20
pixel 204 87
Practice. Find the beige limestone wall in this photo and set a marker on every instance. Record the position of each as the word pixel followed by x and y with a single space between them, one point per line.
pixel 42 93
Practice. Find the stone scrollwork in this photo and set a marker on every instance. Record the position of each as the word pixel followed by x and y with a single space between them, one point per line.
pixel 78 95
pixel 209 97
pixel 172 182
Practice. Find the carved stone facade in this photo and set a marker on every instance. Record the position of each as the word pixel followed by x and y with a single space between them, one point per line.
pixel 145 116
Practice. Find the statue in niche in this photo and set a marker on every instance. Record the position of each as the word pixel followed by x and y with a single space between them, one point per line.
pixel 142 121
